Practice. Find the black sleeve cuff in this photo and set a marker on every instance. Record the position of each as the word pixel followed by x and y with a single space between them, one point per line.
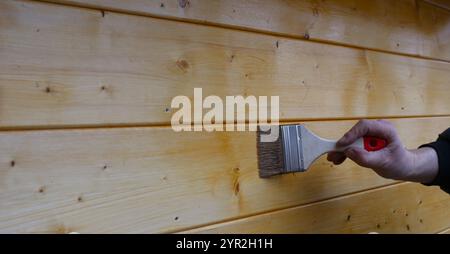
pixel 442 148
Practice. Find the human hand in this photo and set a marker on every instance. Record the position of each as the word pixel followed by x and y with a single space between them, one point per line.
pixel 394 161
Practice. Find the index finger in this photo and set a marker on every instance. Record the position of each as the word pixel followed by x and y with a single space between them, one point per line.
pixel 376 128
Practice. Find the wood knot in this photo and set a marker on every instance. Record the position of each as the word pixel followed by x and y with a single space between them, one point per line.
pixel 184 3
pixel 182 65
pixel 306 36
pixel 13 163
pixel 106 89
pixel 315 12
pixel 42 189
pixel 236 185
pixel 236 188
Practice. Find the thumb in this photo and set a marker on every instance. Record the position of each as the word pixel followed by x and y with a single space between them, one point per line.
pixel 365 158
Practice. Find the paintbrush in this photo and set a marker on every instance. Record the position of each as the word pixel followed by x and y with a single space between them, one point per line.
pixel 297 148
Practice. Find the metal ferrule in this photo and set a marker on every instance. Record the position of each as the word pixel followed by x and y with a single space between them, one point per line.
pixel 292 148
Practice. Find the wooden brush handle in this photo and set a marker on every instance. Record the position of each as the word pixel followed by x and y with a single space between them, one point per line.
pixel 367 142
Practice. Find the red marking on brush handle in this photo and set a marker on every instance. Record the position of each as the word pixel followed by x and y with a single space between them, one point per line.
pixel 373 143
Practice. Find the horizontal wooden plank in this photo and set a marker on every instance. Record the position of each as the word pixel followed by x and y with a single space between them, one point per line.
pixel 84 67
pixel 404 26
pixel 402 208
pixel 138 180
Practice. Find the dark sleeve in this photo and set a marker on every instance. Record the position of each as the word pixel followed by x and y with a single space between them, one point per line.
pixel 442 147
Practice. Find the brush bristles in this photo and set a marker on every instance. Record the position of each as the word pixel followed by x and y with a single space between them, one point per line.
pixel 270 156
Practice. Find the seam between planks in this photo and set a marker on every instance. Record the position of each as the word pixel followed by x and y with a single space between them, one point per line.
pixel 279 209
pixel 444 231
pixel 236 28
pixel 442 7
pixel 167 124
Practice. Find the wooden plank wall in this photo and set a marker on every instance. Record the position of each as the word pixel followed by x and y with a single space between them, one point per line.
pixel 85 92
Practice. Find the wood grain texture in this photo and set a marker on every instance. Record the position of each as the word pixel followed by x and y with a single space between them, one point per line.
pixel 401 208
pixel 86 67
pixel 403 26
pixel 143 180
